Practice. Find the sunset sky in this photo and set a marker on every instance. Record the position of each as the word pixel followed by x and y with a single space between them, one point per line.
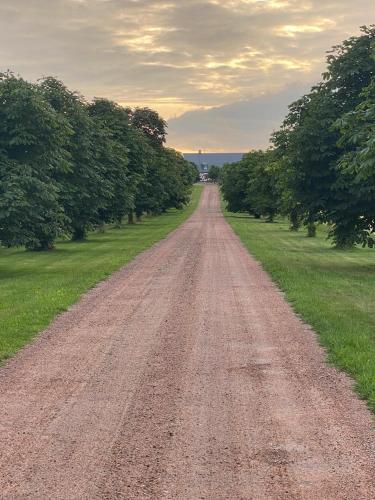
pixel 221 71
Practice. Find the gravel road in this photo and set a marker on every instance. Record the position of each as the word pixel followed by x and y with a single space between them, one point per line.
pixel 186 375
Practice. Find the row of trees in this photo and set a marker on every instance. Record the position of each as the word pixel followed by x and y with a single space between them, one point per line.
pixel 68 166
pixel 321 166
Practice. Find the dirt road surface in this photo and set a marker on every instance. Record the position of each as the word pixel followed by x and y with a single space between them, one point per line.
pixel 186 375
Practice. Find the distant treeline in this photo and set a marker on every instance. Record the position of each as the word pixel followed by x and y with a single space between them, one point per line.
pixel 68 166
pixel 321 166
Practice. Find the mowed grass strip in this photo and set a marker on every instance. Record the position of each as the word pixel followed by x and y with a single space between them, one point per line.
pixel 35 287
pixel 333 291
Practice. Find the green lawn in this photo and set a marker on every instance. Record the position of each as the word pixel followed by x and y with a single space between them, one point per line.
pixel 34 287
pixel 334 291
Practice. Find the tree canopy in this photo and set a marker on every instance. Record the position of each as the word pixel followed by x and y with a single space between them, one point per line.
pixel 320 167
pixel 69 166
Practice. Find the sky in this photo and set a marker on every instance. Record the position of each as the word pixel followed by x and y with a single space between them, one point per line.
pixel 222 72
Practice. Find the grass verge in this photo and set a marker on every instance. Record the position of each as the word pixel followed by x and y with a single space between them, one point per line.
pixel 332 290
pixel 35 287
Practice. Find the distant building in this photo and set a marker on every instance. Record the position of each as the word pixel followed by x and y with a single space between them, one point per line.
pixel 203 176
pixel 205 160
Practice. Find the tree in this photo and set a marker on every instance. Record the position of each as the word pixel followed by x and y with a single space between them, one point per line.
pixel 355 220
pixel 168 179
pixel 350 77
pixel 68 166
pixel 150 123
pixel 234 183
pixel 95 161
pixel 116 120
pixel 181 177
pixel 320 168
pixel 214 173
pixel 261 194
pixel 311 144
pixel 195 170
pixel 309 147
pixel 168 183
pixel 351 68
pixel 250 185
pixel 33 138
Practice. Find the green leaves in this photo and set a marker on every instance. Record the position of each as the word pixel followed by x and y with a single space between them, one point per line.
pixel 32 143
pixel 251 185
pixel 214 173
pixel 67 166
pixel 322 166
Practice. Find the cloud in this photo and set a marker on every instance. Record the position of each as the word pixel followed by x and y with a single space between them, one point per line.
pixel 178 56
pixel 236 127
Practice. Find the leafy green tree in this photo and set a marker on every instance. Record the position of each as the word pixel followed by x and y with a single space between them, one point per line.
pixel 310 150
pixel 150 123
pixel 88 183
pixel 190 171
pixel 250 185
pixel 181 177
pixel 150 130
pixel 351 67
pixel 214 173
pixel 116 119
pixel 234 184
pixel 357 174
pixel 286 204
pixel 33 139
pixel 169 181
pixel 310 141
pixel 68 166
pixel 195 170
pixel 262 195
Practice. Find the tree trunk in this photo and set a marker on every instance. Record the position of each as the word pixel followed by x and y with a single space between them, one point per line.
pixel 79 234
pixel 41 246
pixel 311 229
pixel 270 217
pixel 118 223
pixel 294 220
pixel 131 218
pixel 344 236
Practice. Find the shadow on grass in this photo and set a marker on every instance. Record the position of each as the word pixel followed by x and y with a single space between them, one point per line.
pixel 239 217
pixel 355 268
